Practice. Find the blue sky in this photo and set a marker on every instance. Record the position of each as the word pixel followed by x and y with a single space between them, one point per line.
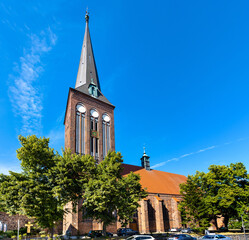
pixel 177 72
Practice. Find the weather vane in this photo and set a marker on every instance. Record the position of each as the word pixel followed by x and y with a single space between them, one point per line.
pixel 87 15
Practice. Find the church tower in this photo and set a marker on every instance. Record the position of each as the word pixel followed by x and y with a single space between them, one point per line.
pixel 89 118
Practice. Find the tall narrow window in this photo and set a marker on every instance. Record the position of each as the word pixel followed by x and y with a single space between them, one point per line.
pixel 106 133
pixel 91 139
pixel 104 142
pixel 77 142
pixel 80 129
pixel 97 140
pixel 108 136
pixel 83 134
pixel 94 141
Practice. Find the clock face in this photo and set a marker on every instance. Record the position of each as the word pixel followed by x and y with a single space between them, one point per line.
pixel 81 108
pixel 94 113
pixel 106 118
pixel 94 134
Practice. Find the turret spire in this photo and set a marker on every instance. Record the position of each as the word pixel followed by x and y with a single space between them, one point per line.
pixel 145 161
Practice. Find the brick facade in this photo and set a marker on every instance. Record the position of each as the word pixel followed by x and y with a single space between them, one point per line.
pixel 11 221
pixel 73 221
pixel 75 97
pixel 157 213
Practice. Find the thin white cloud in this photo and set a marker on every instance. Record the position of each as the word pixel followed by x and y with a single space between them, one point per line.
pixel 199 151
pixel 24 94
pixel 183 156
pixel 205 149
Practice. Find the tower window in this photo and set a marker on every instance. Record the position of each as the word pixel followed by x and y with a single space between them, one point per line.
pixel 106 133
pixel 82 133
pixel 91 139
pixel 94 141
pixel 77 133
pixel 80 129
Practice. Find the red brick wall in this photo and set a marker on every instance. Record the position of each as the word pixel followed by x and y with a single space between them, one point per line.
pixel 89 102
pixel 171 216
pixel 12 220
pixel 73 221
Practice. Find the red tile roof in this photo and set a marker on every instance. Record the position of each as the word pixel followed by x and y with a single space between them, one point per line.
pixel 157 181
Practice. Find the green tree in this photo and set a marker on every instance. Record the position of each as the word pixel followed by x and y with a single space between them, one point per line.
pixel 47 182
pixel 70 175
pixel 10 188
pixel 109 194
pixel 193 207
pixel 223 191
pixel 31 192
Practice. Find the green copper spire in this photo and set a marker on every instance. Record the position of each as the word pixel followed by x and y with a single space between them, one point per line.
pixel 145 161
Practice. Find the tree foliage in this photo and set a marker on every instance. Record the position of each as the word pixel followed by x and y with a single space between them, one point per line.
pixel 223 191
pixel 31 191
pixel 109 194
pixel 193 207
pixel 70 174
pixel 48 181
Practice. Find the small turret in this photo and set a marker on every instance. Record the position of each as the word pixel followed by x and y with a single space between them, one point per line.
pixel 145 161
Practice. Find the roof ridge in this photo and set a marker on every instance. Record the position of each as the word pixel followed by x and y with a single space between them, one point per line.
pixel 154 169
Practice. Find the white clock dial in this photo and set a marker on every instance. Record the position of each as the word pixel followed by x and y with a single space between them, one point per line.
pixel 94 113
pixel 81 108
pixel 106 118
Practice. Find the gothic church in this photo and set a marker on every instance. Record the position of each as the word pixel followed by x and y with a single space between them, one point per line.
pixel 89 129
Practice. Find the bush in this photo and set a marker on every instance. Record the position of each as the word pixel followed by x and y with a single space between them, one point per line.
pixel 23 230
pixel 237 224
pixel 199 229
pixel 10 233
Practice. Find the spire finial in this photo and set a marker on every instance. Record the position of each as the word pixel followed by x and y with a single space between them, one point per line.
pixel 87 15
pixel 144 150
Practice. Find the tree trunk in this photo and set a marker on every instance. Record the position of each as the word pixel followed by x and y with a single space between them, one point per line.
pixel 215 222
pixel 52 232
pixel 104 229
pixel 226 220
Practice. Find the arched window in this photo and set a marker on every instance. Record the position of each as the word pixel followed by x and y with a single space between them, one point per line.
pixel 94 138
pixel 106 133
pixel 80 129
